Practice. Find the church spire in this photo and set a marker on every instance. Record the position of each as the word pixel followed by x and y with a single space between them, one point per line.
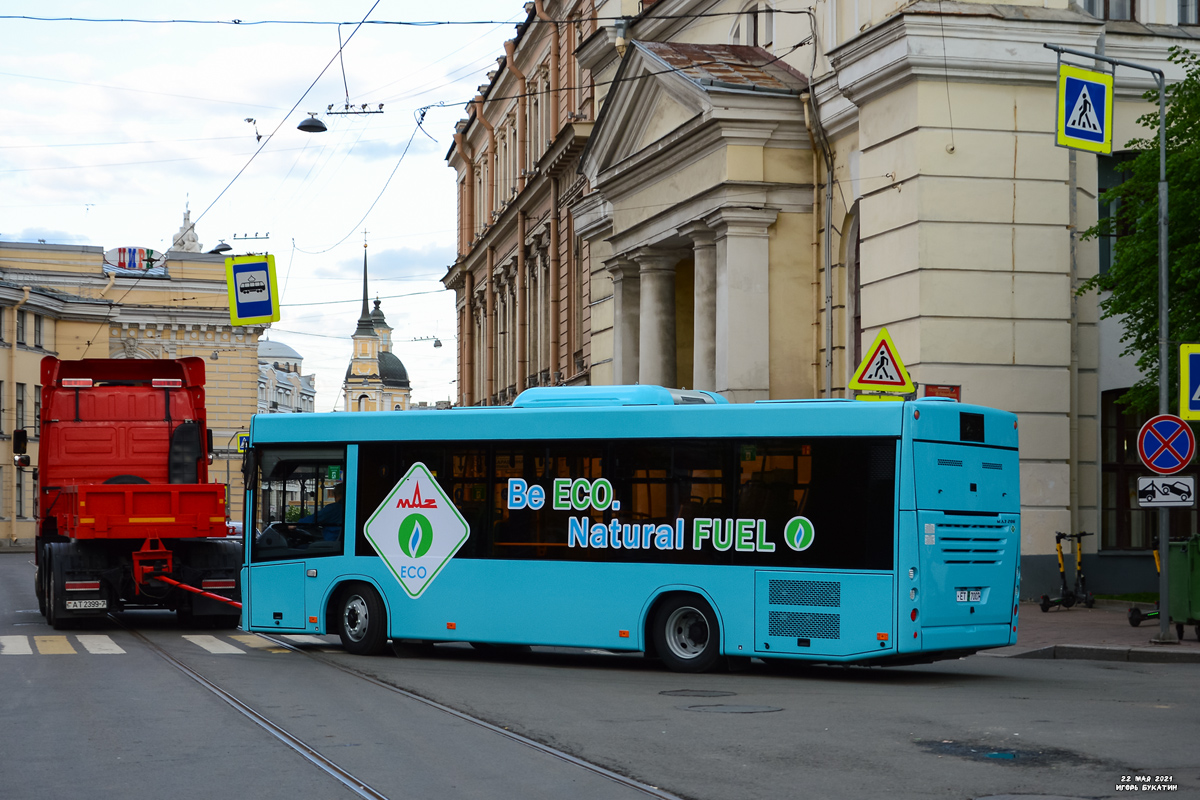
pixel 365 326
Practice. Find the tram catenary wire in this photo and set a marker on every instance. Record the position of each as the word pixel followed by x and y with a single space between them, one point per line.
pixel 347 779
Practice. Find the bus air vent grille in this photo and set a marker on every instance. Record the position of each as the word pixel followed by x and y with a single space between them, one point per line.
pixel 805 625
pixel 805 593
pixel 972 549
pixel 949 462
pixel 991 465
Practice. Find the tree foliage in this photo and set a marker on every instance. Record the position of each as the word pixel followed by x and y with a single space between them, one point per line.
pixel 1132 281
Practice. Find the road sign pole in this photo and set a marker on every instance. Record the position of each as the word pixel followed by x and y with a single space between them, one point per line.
pixel 1165 634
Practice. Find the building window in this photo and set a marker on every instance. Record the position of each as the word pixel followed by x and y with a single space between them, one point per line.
pixel 19 421
pixel 19 498
pixel 1125 526
pixel 755 26
pixel 37 330
pixel 1111 172
pixel 1113 9
pixel 1189 12
pixel 37 411
pixel 20 327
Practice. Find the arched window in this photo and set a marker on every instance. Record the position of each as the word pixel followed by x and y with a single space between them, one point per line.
pixel 755 25
pixel 363 400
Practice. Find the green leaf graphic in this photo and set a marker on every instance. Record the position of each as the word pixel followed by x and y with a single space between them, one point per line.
pixel 415 535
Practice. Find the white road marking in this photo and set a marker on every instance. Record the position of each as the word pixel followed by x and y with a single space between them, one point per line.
pixel 213 645
pixel 99 644
pixel 303 639
pixel 15 646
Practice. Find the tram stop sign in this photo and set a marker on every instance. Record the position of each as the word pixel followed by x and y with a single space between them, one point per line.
pixel 1166 444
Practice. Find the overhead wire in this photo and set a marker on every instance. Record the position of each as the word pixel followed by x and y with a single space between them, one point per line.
pixel 262 145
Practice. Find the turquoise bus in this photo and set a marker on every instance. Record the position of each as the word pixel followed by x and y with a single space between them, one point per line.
pixel 640 518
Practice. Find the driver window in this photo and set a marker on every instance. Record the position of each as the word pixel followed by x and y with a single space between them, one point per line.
pixel 301 504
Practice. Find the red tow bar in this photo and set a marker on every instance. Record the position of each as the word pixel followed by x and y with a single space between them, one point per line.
pixel 194 590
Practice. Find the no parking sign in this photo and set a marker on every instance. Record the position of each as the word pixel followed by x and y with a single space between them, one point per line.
pixel 1166 444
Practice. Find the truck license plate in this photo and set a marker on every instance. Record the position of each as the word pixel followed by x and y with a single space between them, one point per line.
pixel 968 595
pixel 78 604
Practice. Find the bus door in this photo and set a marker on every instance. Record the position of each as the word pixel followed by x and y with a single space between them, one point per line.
pixel 299 521
pixel 968 532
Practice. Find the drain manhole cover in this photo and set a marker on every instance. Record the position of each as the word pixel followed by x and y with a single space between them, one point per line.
pixel 697 693
pixel 723 709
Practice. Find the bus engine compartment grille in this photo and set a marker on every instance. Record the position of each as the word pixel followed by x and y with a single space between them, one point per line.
pixel 805 625
pixel 804 593
pixel 971 544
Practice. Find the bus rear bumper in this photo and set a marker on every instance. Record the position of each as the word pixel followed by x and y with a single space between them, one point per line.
pixel 958 637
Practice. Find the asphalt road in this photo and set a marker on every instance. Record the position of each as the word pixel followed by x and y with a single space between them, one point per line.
pixel 83 719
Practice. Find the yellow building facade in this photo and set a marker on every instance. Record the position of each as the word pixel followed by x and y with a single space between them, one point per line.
pixel 768 184
pixel 62 300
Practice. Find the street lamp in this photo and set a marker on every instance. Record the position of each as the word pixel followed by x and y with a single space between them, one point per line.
pixel 312 124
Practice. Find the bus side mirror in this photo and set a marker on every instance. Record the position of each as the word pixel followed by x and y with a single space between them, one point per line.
pixel 210 441
pixel 20 441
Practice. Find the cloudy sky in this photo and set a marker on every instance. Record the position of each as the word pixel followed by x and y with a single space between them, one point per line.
pixel 115 122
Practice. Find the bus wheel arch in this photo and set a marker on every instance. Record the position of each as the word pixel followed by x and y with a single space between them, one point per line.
pixel 684 631
pixel 359 617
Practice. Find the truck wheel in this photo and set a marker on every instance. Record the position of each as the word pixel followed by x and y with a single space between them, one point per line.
pixel 54 589
pixel 686 635
pixel 39 583
pixel 361 620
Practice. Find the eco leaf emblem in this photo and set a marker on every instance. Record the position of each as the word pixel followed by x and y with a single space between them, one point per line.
pixel 799 533
pixel 415 535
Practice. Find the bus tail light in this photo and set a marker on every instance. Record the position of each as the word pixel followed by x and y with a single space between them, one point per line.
pixel 167 383
pixel 913 615
pixel 82 586
pixel 77 383
pixel 223 583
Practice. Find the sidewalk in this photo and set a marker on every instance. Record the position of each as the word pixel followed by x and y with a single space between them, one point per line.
pixel 1102 633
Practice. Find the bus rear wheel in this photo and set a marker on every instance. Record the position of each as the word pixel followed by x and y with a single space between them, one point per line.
pixel 686 635
pixel 361 620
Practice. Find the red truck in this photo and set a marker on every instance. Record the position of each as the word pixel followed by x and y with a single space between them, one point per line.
pixel 126 517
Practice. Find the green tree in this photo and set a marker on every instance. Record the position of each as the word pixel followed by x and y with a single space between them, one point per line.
pixel 1132 281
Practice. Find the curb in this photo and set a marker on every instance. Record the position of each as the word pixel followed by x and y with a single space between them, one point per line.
pixel 1145 655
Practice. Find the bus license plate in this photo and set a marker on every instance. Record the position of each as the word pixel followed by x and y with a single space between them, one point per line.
pixel 78 604
pixel 969 595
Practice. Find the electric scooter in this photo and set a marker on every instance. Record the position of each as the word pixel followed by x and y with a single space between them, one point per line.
pixel 1069 597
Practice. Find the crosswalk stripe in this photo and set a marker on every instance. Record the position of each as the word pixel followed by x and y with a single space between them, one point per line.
pixel 53 645
pixel 303 639
pixel 99 644
pixel 212 644
pixel 15 646
pixel 259 643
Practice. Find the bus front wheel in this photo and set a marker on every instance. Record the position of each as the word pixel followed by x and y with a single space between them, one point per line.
pixel 686 635
pixel 362 622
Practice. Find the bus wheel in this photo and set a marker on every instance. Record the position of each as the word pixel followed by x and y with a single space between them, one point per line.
pixel 361 620
pixel 686 634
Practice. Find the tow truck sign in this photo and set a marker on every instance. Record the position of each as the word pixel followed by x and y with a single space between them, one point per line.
pixel 1167 491
pixel 417 530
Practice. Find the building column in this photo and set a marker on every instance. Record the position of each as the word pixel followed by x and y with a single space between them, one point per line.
pixel 704 329
pixel 627 292
pixel 656 351
pixel 743 364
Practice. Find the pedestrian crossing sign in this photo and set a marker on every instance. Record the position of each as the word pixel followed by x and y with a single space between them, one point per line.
pixel 1189 381
pixel 882 370
pixel 1085 109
